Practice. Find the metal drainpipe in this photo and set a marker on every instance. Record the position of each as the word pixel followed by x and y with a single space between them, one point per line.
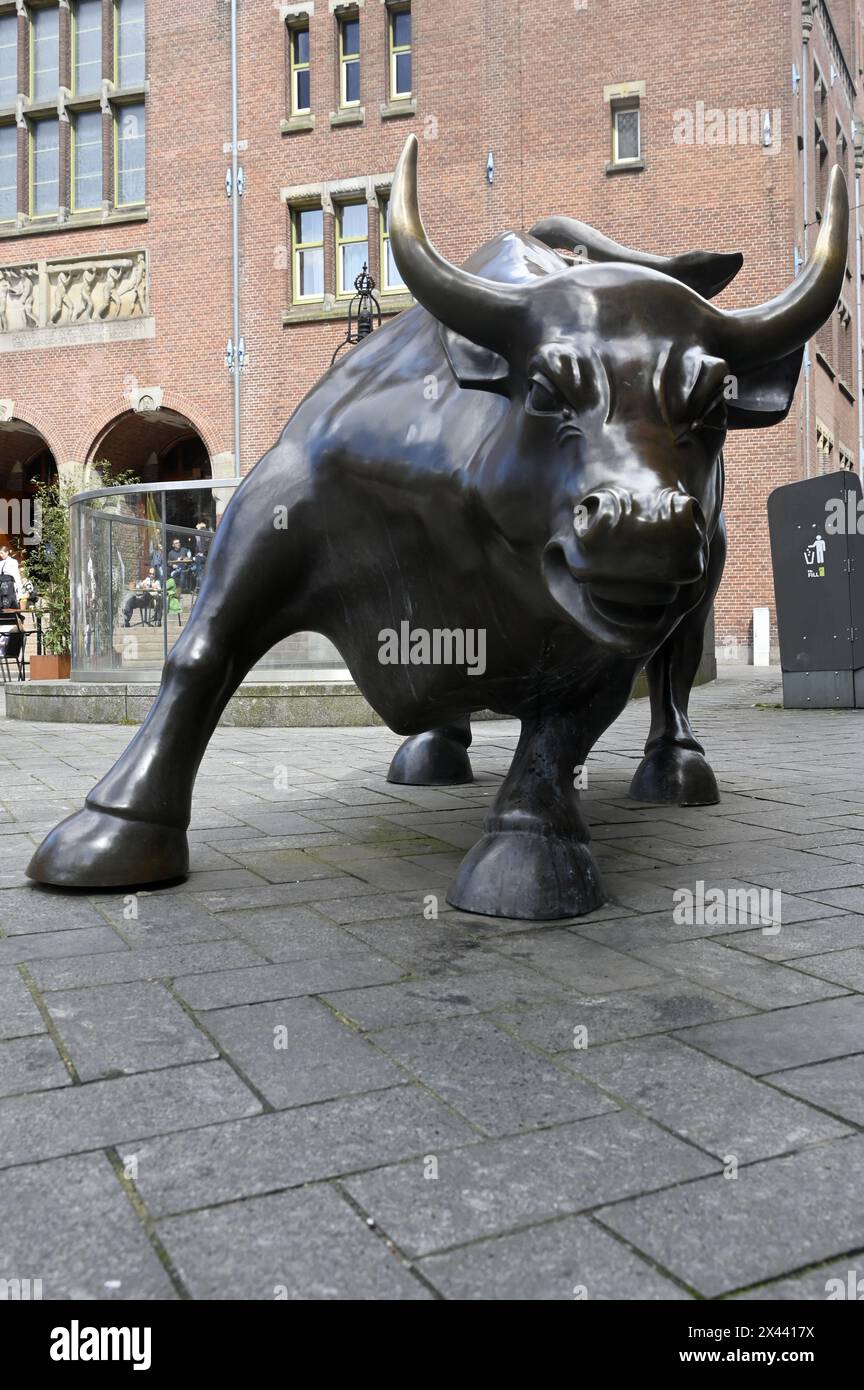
pixel 805 188
pixel 235 235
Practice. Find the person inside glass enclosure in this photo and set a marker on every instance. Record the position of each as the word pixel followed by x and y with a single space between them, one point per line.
pixel 180 564
pixel 157 559
pixel 200 545
pixel 147 595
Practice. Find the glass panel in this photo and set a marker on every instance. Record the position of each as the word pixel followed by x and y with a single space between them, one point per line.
pixel 88 45
pixel 130 43
pixel 130 154
pixel 627 123
pixel 394 279
pixel 300 39
pixel 403 72
pixel 8 172
pixel 351 37
pixel 46 167
pixel 354 255
pixel 401 28
pixel 8 59
pixel 355 220
pixel 311 273
pixel 352 81
pixel 46 52
pixel 88 160
pixel 310 225
pixel 301 91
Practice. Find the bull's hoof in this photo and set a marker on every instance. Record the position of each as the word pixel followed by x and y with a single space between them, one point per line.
pixel 673 776
pixel 431 760
pixel 95 849
pixel 535 878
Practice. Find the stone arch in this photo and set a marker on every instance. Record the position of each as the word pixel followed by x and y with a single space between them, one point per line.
pixel 176 401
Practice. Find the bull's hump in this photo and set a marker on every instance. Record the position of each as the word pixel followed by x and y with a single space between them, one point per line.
pixel 515 258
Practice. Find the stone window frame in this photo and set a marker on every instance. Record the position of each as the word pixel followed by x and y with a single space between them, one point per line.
pixel 624 96
pixel 374 190
pixel 824 444
pixel 63 106
pixel 292 18
pixel 306 205
pixel 347 14
pixel 846 458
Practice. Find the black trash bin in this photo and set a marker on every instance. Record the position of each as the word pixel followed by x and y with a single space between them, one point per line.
pixel 818 563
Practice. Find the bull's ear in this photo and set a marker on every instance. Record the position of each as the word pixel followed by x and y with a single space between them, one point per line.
pixel 474 367
pixel 764 394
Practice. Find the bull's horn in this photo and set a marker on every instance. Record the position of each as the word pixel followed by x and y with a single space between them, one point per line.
pixel 776 328
pixel 707 272
pixel 482 310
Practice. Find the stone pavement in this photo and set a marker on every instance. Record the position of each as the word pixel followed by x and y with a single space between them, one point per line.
pixel 288 1078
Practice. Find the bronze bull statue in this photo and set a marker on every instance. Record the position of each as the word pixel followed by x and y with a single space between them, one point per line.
pixel 530 461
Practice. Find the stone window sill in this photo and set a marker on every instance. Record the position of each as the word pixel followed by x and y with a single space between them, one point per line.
pixel 295 124
pixel 825 364
pixel 631 166
pixel 71 223
pixel 352 115
pixel 846 391
pixel 391 109
pixel 333 313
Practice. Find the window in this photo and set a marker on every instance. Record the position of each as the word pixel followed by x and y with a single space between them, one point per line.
pixel 129 124
pixel 349 62
pixel 845 458
pixel 44 168
pixel 390 276
pixel 400 53
pixel 308 269
pixel 300 88
pixel 8 59
pixel 44 53
pixel 626 135
pixel 129 42
pixel 8 173
pixel 87 46
pixel 352 245
pixel 87 160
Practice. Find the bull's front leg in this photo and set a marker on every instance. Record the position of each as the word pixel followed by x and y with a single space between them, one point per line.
pixel 674 770
pixel 533 862
pixel 436 758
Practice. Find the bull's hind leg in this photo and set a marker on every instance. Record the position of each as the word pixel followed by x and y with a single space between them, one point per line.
pixel 533 861
pixel 674 770
pixel 132 829
pixel 437 758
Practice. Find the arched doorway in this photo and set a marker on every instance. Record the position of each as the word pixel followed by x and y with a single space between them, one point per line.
pixel 159 446
pixel 25 460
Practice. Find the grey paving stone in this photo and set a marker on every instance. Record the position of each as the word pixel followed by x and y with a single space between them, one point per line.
pixel 27 910
pixel 113 1029
pixel 487 1076
pixel 784 1213
pixel 160 963
pixel 704 1100
pixel 427 947
pixel 19 1016
pixel 70 1224
pixel 245 1158
pixel 30 1064
pixel 52 945
pixel 807 939
pixel 280 866
pixel 849 899
pixel 311 1245
pixel 837 1086
pixel 623 1014
pixel 296 1051
pixel 838 1280
pixel 295 933
pixel 566 1259
pixel 573 961
pixel 764 984
pixel 841 967
pixel 484 983
pixel 786 1038
pixel 256 984
pixel 502 1184
pixel 119 1111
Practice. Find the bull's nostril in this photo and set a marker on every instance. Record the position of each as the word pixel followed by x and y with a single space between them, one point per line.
pixel 598 511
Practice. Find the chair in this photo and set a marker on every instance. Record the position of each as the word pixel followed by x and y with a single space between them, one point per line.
pixel 15 648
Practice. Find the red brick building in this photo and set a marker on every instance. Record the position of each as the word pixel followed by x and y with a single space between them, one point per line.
pixel 667 126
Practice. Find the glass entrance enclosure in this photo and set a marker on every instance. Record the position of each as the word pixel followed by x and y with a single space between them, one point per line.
pixel 138 557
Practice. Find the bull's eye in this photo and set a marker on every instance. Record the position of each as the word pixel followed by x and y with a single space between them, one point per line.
pixel 543 398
